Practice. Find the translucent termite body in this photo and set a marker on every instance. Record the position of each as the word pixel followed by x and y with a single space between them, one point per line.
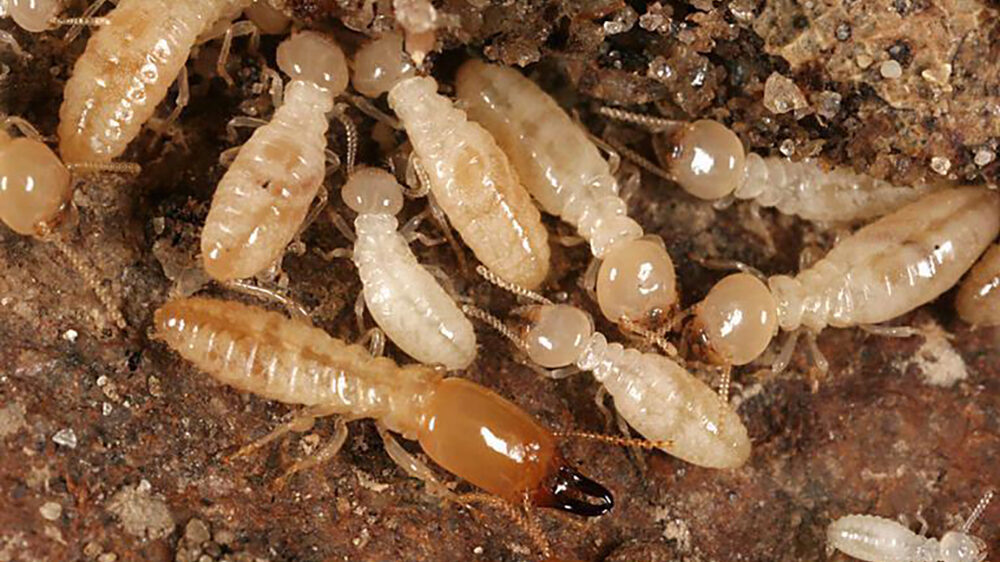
pixel 563 170
pixel 978 300
pixel 469 175
pixel 877 539
pixel 126 71
pixel 467 429
pixel 264 197
pixel 405 300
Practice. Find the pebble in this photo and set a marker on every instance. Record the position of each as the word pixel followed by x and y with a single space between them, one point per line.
pixel 781 95
pixel 940 164
pixel 50 510
pixel 891 70
pixel 65 437
pixel 196 532
pixel 984 156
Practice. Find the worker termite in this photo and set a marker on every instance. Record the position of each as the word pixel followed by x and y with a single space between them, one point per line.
pixel 657 397
pixel 708 160
pixel 877 539
pixel 887 268
pixel 264 197
pixel 978 300
pixel 405 300
pixel 563 170
pixel 469 175
pixel 36 191
pixel 465 428
pixel 126 70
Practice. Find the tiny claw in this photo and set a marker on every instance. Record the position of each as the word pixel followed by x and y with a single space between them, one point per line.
pixel 568 484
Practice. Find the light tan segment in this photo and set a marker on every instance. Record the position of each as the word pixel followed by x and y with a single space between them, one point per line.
pixel 474 183
pixel 978 300
pixel 893 265
pixel 126 71
pixel 265 353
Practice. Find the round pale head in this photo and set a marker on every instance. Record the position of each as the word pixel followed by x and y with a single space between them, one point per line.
pixel 957 546
pixel 380 64
pixel 706 159
pixel 373 190
pixel 34 15
pixel 737 319
pixel 35 186
pixel 636 280
pixel 315 58
pixel 267 19
pixel 558 335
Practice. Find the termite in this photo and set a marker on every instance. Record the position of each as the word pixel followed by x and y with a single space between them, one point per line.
pixel 877 539
pixel 656 396
pixel 563 170
pixel 887 268
pixel 978 300
pixel 469 175
pixel 463 427
pixel 708 160
pixel 404 298
pixel 264 197
pixel 126 70
pixel 36 16
pixel 36 190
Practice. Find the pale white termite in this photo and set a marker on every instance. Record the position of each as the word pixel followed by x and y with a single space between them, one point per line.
pixel 465 428
pixel 469 175
pixel 405 300
pixel 887 268
pixel 708 160
pixel 978 299
pixel 126 71
pixel 563 170
pixel 264 197
pixel 877 539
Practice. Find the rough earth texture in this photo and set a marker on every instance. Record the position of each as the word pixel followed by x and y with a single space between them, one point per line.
pixel 112 448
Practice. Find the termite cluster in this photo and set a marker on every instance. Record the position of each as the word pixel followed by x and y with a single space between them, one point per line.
pixel 489 160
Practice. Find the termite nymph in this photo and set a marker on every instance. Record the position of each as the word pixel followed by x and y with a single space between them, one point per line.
pixel 465 428
pixel 264 197
pixel 877 539
pixel 470 177
pixel 564 172
pixel 978 299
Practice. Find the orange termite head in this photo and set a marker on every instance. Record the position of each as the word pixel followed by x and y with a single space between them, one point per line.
pixel 487 440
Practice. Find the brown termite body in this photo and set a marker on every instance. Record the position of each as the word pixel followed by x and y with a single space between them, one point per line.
pixel 469 175
pixel 563 170
pixel 126 71
pixel 465 428
pixel 264 197
pixel 978 299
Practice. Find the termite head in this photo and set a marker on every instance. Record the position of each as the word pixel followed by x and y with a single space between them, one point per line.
pixel 957 546
pixel 705 158
pixel 636 281
pixel 735 321
pixel 34 15
pixel 381 64
pixel 35 186
pixel 312 57
pixel 268 20
pixel 493 444
pixel 556 335
pixel 373 191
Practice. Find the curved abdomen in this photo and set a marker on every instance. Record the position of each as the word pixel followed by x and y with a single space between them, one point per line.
pixel 873 539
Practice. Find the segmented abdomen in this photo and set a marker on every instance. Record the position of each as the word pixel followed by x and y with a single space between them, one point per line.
pixel 874 539
pixel 407 301
pixel 474 183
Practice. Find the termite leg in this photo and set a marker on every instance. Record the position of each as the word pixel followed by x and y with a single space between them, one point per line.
pixel 341 224
pixel 227 156
pixel 446 283
pixel 785 355
pixel 891 331
pixel 411 465
pixel 569 240
pixel 373 338
pixel 442 221
pixel 359 312
pixel 822 365
pixel 23 126
pixel 410 233
pixel 599 398
pixel 368 108
pixel 332 161
pixel 923 523
pixel 328 451
pixel 416 179
pixel 723 264
pixel 6 38
pixel 634 449
pixel 183 97
pixel 294 309
pixel 242 122
pixel 276 87
pixel 302 420
pixel 588 282
pixel 557 374
pixel 238 29
pixel 322 197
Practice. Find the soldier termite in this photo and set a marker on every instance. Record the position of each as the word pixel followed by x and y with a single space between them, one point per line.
pixel 890 267
pixel 404 298
pixel 469 175
pixel 565 173
pixel 708 160
pixel 877 539
pixel 264 197
pixel 36 191
pixel 656 396
pixel 465 428
pixel 978 300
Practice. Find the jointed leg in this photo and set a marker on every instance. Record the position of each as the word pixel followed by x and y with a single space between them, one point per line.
pixel 238 29
pixel 328 451
pixel 302 420
pixel 23 126
pixel 375 339
pixel 294 309
pixel 787 349
pixel 183 97
pixel 6 38
pixel 243 122
pixel 413 466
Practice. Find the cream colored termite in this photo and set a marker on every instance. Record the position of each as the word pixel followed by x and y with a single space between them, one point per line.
pixel 264 197
pixel 877 539
pixel 708 160
pixel 470 177
pixel 978 300
pixel 563 170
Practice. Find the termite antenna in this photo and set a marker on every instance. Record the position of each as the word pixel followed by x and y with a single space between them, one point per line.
pixel 81 21
pixel 87 15
pixel 639 160
pixel 978 511
pixel 496 324
pixel 520 517
pixel 618 441
pixel 513 288
pixel 93 280
pixel 655 337
pixel 351 134
pixel 126 168
pixel 654 124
